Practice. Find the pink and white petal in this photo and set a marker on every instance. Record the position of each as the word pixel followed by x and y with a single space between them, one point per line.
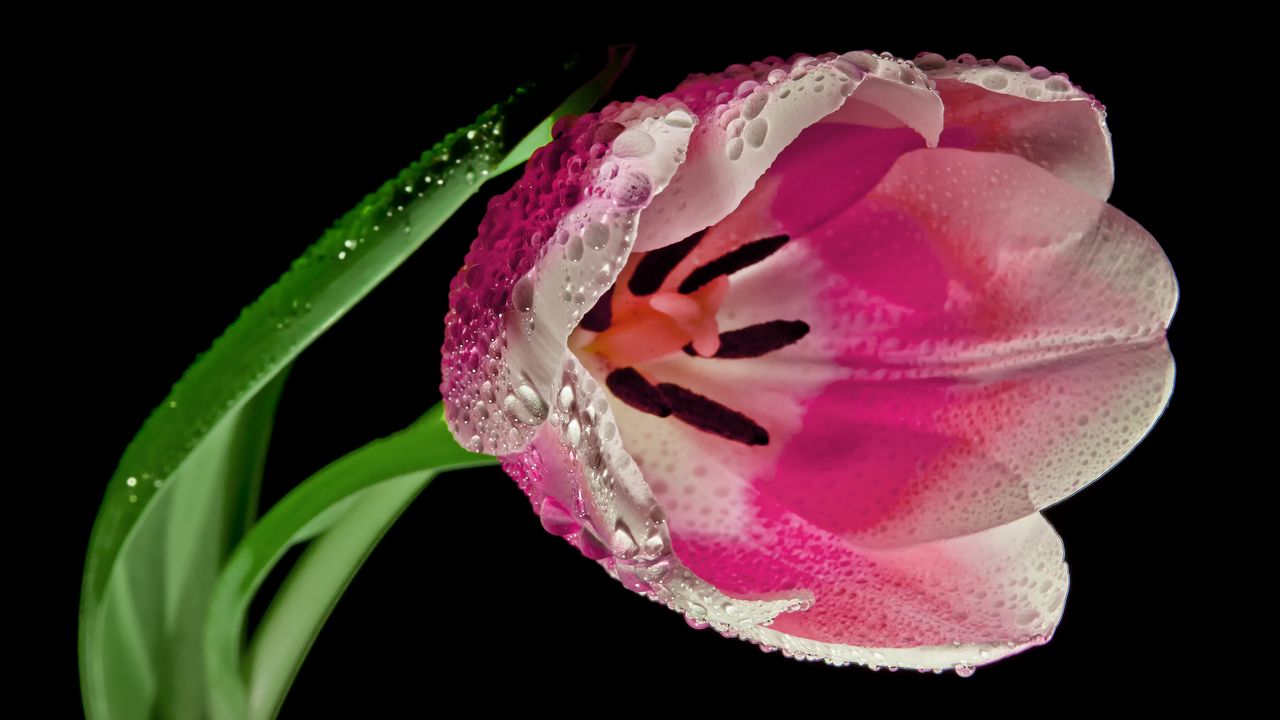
pixel 808 185
pixel 954 603
pixel 976 350
pixel 893 463
pixel 582 481
pixel 962 601
pixel 747 566
pixel 586 487
pixel 1024 305
pixel 996 263
pixel 866 459
pixel 895 93
pixel 749 115
pixel 547 250
pixel 1007 107
pixel 1003 335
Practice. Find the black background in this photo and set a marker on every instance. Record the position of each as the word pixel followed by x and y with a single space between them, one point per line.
pixel 218 154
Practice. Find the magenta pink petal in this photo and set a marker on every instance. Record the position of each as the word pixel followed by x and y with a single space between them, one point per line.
pixel 1018 354
pixel 1007 107
pixel 851 326
pixel 1000 336
pixel 965 601
pixel 748 115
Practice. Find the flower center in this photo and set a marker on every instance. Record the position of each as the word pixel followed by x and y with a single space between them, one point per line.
pixel 645 317
pixel 664 323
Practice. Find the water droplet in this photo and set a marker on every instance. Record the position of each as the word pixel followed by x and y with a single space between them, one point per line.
pixel 591 546
pixel 632 581
pixel 865 62
pixel 555 518
pixel 1012 62
pixel 654 545
pixel 754 104
pixel 633 143
pixel 596 236
pixel 522 294
pixel 965 670
pixel 574 249
pixel 632 189
pixel 930 61
pixel 733 148
pixel 756 131
pixel 566 398
pixel 680 119
pixel 697 613
pixel 623 543
pixel 526 405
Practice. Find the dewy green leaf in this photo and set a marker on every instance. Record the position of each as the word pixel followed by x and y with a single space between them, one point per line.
pixel 154 610
pixel 184 490
pixel 344 510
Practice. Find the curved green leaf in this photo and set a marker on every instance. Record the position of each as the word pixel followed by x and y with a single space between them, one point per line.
pixel 343 510
pixel 183 489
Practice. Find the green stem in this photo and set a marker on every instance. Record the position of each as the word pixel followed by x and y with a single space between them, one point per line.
pixel 343 510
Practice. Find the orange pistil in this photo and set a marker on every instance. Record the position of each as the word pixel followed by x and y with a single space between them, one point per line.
pixel 664 324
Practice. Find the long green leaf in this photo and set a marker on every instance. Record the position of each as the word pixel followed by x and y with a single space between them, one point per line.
pixel 343 510
pixel 153 608
pixel 151 556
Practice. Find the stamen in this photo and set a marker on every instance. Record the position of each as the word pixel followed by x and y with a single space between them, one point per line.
pixel 600 316
pixel 756 340
pixel 733 261
pixel 710 416
pixel 661 324
pixel 633 389
pixel 656 265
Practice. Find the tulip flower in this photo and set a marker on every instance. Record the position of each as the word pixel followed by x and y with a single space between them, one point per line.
pixel 801 349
